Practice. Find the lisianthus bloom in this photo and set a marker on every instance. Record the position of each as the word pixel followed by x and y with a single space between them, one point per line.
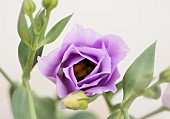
pixel 166 98
pixel 85 61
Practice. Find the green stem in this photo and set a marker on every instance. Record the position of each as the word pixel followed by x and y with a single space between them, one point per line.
pixel 26 78
pixel 119 86
pixel 31 101
pixel 29 64
pixel 109 96
pixel 108 102
pixel 45 26
pixel 6 77
pixel 161 109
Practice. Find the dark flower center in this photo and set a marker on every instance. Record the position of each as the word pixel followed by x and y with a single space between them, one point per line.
pixel 83 68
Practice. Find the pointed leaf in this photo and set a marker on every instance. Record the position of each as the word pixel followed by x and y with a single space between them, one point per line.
pixel 23 52
pixel 55 31
pixel 38 53
pixel 20 104
pixel 45 107
pixel 23 29
pixel 140 74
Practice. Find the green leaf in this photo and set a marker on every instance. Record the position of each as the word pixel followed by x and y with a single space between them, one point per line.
pixel 45 107
pixel 20 104
pixel 116 115
pixel 55 31
pixel 38 53
pixel 38 23
pixel 12 90
pixel 23 52
pixel 23 29
pixel 140 74
pixel 83 115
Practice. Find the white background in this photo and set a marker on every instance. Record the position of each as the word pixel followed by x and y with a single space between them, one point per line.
pixel 138 22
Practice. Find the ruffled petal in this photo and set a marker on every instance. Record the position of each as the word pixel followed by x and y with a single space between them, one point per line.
pixel 48 64
pixel 81 36
pixel 109 86
pixel 61 89
pixel 115 47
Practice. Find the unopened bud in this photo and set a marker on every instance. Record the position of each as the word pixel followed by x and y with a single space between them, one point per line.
pixel 76 100
pixel 153 92
pixel 165 75
pixel 49 4
pixel 29 7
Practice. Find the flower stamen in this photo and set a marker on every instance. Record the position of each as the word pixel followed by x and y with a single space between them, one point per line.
pixel 83 68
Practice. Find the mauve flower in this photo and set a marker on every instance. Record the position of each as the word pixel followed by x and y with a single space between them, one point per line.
pixel 85 61
pixel 166 97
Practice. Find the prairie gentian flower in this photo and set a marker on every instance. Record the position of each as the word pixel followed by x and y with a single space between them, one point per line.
pixel 85 61
pixel 166 98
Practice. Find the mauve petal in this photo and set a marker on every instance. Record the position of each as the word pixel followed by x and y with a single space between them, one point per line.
pixel 98 54
pixel 45 69
pixel 116 48
pixel 73 50
pixel 81 36
pixel 48 64
pixel 166 97
pixel 73 59
pixel 112 79
pixel 70 85
pixel 69 73
pixel 109 86
pixel 61 89
pixel 93 83
pixel 91 78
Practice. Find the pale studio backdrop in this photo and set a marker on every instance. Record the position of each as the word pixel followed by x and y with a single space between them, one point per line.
pixel 138 22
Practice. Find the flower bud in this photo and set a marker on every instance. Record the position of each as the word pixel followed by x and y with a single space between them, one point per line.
pixel 29 7
pixel 165 75
pixel 153 92
pixel 166 98
pixel 49 4
pixel 76 100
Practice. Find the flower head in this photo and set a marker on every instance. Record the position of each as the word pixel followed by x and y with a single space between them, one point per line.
pixel 85 61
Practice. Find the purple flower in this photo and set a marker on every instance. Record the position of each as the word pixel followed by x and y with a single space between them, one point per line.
pixel 85 61
pixel 166 97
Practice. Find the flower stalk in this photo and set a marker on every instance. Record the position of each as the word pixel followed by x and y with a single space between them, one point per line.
pixel 161 109
pixel 29 64
pixel 6 77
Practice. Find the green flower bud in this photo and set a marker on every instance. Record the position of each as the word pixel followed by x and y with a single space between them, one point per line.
pixel 153 92
pixel 76 100
pixel 29 7
pixel 165 75
pixel 49 4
